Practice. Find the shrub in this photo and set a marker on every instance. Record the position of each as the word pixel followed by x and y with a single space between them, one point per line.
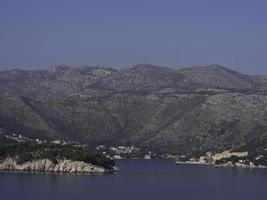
pixel 233 159
pixel 23 157
pixel 24 152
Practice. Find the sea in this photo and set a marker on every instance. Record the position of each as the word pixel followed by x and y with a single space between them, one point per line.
pixel 138 180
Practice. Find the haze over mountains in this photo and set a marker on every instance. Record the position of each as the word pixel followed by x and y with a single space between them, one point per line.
pixel 203 108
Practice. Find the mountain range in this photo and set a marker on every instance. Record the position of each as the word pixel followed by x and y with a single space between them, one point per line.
pixel 195 109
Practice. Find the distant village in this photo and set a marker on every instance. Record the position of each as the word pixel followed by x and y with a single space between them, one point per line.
pixel 21 138
pixel 114 152
pixel 226 158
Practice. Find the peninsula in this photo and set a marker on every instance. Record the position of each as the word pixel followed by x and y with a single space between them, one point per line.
pixel 52 158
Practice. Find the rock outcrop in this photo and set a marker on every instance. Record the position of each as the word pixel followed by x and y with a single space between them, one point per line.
pixel 46 165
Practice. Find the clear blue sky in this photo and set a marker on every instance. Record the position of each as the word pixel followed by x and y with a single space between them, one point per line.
pixel 117 33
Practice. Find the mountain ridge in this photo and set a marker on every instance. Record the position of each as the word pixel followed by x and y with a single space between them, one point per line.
pixel 140 77
pixel 200 108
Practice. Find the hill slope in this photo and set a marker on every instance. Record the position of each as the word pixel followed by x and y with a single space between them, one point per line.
pixel 166 110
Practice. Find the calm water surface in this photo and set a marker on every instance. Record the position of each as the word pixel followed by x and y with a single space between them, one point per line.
pixel 140 179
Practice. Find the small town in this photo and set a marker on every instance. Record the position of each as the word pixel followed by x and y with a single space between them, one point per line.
pixel 241 159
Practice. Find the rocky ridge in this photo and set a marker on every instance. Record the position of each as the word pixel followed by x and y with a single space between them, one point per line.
pixel 46 165
pixel 184 111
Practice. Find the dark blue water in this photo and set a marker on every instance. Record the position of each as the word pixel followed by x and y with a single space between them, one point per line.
pixel 140 179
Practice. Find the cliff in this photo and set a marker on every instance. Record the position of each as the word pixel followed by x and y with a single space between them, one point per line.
pixel 50 157
pixel 46 165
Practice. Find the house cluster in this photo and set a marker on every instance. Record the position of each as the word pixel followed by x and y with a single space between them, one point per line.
pixel 21 138
pixel 207 158
pixel 124 149
pixel 119 152
pixel 68 142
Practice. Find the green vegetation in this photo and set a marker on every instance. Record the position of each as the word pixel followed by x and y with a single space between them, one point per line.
pixel 4 140
pixel 232 159
pixel 259 159
pixel 23 152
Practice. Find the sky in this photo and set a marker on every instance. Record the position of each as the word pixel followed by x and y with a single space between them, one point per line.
pixel 118 33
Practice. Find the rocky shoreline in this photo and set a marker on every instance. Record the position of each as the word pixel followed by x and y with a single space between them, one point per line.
pixel 240 165
pixel 46 165
pixel 228 159
pixel 225 165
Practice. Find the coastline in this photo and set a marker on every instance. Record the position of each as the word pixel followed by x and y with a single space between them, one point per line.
pixel 191 163
pixel 46 165
pixel 226 165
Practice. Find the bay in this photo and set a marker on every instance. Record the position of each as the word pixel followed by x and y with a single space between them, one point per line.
pixel 139 179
